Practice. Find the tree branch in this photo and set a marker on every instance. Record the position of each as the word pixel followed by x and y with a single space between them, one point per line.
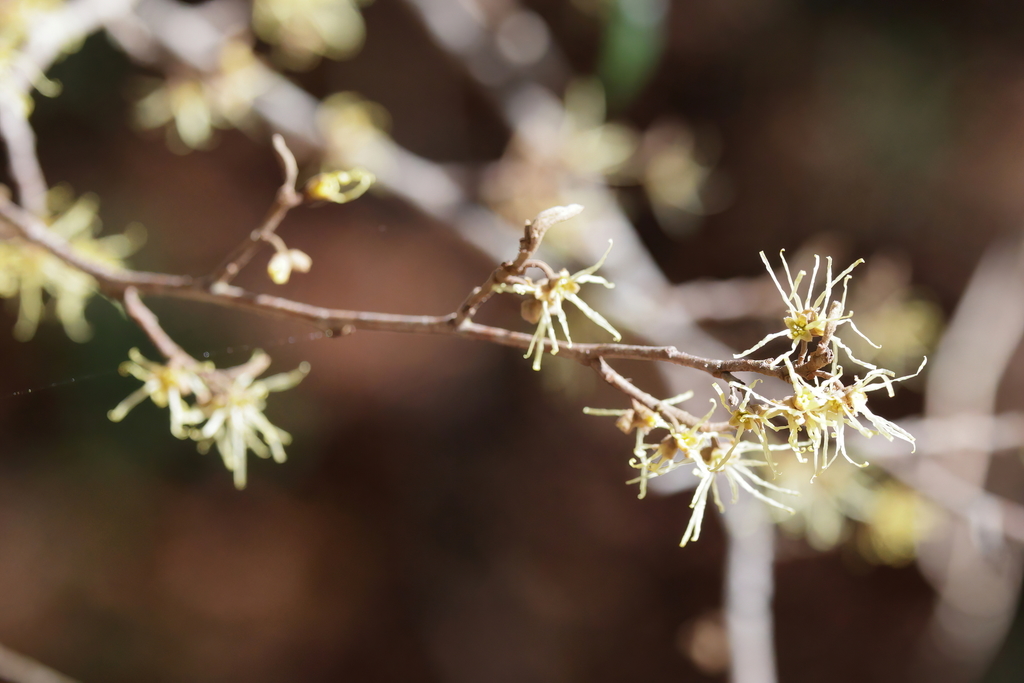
pixel 286 200
pixel 24 166
pixel 17 668
pixel 128 285
pixel 528 246
pixel 115 282
pixel 149 323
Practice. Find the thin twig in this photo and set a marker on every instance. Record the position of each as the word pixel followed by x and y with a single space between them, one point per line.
pixel 533 235
pixel 114 282
pixel 285 200
pixel 671 413
pixel 149 323
pixel 46 42
pixel 22 161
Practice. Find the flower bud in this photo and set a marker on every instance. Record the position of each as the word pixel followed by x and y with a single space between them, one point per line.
pixel 283 262
pixel 531 310
pixel 329 186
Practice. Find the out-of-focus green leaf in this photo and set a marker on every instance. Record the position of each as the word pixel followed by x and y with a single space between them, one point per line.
pixel 634 39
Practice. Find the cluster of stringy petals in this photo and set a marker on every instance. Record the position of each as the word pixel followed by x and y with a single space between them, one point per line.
pixel 723 459
pixel 815 416
pixel 44 283
pixel 753 417
pixel 235 422
pixel 710 455
pixel 641 420
pixel 544 305
pixel 167 386
pixel 807 317
pixel 226 409
pixel 820 410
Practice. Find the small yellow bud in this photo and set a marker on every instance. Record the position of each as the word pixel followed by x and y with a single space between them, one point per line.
pixel 329 186
pixel 283 262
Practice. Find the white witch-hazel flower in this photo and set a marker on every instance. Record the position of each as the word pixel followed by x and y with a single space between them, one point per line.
pixel 546 304
pixel 639 418
pixel 167 386
pixel 723 458
pixel 235 422
pixel 808 317
pixel 747 417
pixel 711 455
pixel 230 402
pixel 644 420
pixel 821 410
pixel 681 446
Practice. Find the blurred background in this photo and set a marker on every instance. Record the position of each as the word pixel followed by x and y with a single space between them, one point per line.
pixel 447 514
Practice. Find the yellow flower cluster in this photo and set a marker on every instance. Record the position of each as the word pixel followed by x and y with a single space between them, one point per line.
pixel 808 318
pixel 305 30
pixel 815 415
pixel 546 305
pixel 230 402
pixel 711 456
pixel 35 276
pixel 821 410
pixel 193 106
pixel 17 18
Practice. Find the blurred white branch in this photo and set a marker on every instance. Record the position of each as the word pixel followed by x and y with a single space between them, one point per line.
pixel 47 40
pixel 749 587
pixel 977 576
pixel 17 668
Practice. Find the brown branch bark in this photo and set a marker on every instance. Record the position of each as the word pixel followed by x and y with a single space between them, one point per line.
pixel 528 246
pixel 149 323
pixel 671 413
pixel 115 282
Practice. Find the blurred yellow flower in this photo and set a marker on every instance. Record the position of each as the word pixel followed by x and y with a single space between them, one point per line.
pixel 339 187
pixel 897 521
pixel 229 401
pixel 884 518
pixel 305 30
pixel 167 386
pixel 554 154
pixel 193 106
pixel 34 275
pixel 354 129
pixel 17 18
pixel 235 422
